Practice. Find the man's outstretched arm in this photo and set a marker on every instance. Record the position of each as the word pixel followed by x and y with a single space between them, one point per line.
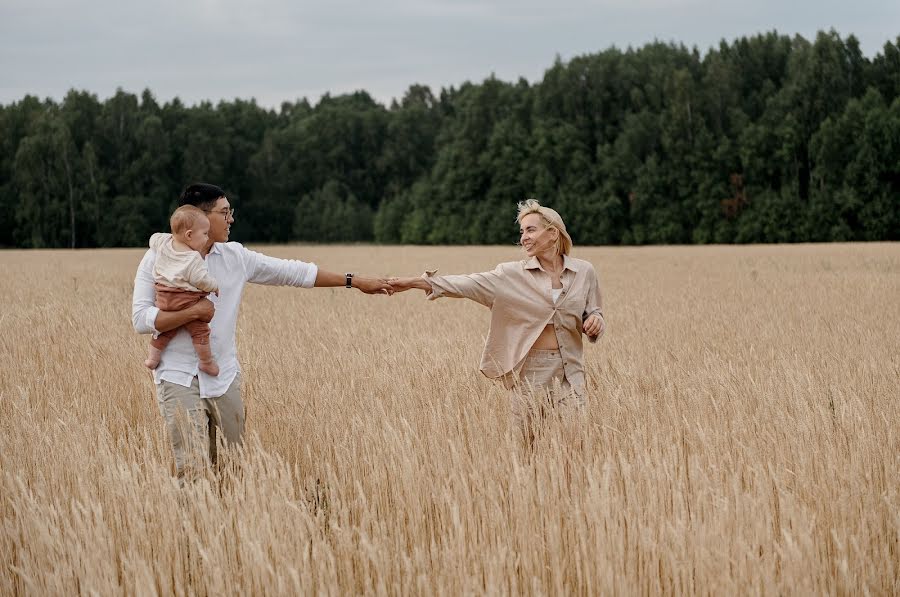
pixel 272 271
pixel 367 284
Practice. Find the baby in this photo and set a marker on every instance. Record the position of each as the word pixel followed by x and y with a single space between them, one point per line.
pixel 182 279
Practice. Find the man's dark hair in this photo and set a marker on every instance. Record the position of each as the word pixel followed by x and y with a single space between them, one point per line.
pixel 201 194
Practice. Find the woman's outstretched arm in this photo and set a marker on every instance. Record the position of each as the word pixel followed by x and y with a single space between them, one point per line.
pixel 480 287
pixel 402 284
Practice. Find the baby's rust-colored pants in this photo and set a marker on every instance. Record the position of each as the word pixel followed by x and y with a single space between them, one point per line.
pixel 176 299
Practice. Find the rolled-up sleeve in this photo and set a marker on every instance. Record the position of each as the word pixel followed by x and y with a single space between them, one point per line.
pixel 480 287
pixel 143 299
pixel 201 278
pixel 271 271
pixel 594 303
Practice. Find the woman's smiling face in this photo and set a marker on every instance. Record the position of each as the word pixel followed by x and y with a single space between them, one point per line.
pixel 535 238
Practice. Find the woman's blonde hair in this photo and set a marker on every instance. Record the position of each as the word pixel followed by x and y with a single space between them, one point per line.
pixel 550 219
pixel 184 218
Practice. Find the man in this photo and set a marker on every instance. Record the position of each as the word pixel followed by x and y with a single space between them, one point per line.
pixel 193 403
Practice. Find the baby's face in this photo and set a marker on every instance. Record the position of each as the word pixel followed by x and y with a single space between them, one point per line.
pixel 199 237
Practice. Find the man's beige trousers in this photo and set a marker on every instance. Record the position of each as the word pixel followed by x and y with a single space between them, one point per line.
pixel 191 423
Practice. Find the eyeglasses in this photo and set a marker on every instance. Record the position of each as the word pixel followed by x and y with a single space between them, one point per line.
pixel 225 213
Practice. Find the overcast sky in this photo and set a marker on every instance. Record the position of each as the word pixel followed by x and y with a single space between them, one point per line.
pixel 276 50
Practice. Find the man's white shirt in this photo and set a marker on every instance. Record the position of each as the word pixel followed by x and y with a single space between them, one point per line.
pixel 232 266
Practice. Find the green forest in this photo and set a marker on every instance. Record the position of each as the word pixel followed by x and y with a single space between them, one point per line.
pixel 768 138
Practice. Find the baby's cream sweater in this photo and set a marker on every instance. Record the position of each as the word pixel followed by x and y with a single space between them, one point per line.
pixel 180 269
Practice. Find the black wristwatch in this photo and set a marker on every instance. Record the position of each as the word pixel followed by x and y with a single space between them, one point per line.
pixel 348 280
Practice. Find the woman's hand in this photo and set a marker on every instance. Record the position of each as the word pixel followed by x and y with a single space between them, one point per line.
pixel 402 284
pixel 594 326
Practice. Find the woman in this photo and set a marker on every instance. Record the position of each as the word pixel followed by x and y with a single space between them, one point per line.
pixel 540 306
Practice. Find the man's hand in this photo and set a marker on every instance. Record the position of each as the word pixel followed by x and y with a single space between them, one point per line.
pixel 371 285
pixel 594 326
pixel 203 310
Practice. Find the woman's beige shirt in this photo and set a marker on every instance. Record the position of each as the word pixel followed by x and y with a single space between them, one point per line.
pixel 520 298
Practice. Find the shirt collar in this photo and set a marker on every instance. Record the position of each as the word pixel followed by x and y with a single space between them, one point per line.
pixel 215 249
pixel 568 263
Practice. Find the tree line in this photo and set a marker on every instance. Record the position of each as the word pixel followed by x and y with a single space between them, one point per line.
pixel 768 138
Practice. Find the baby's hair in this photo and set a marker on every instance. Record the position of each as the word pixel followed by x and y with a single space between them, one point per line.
pixel 184 218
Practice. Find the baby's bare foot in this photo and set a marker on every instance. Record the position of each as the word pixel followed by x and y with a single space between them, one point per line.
pixel 209 367
pixel 153 356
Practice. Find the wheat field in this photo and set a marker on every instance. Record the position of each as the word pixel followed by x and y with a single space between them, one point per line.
pixel 742 435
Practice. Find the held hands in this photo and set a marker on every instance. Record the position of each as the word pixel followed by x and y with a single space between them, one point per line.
pixel 376 285
pixel 403 284
pixel 371 285
pixel 594 326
